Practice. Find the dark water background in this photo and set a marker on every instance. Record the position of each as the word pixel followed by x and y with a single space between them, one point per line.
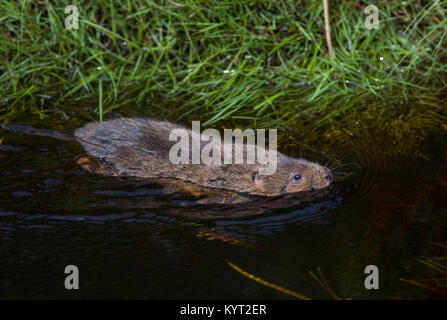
pixel 132 241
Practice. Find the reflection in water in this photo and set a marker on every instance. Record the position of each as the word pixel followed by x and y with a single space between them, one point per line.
pixel 134 239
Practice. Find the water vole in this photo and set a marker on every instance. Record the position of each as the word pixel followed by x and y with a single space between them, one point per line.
pixel 140 148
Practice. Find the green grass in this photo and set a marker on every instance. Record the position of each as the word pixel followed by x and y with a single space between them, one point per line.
pixel 259 62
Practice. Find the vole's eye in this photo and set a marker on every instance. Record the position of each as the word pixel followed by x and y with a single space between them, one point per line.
pixel 297 177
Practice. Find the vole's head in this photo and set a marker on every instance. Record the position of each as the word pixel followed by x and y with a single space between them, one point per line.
pixel 292 176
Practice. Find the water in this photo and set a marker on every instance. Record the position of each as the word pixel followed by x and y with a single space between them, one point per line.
pixel 132 240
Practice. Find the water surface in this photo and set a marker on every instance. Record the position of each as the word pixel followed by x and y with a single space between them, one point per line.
pixel 133 241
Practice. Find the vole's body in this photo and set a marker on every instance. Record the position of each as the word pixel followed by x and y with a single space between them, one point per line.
pixel 140 148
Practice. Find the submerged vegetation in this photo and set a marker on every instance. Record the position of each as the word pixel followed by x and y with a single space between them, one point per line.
pixel 438 283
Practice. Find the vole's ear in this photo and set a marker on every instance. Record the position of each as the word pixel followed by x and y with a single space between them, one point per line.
pixel 256 178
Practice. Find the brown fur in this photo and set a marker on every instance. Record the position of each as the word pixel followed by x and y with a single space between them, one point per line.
pixel 140 148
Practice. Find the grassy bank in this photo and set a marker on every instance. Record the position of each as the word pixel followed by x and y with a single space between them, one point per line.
pixel 265 62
